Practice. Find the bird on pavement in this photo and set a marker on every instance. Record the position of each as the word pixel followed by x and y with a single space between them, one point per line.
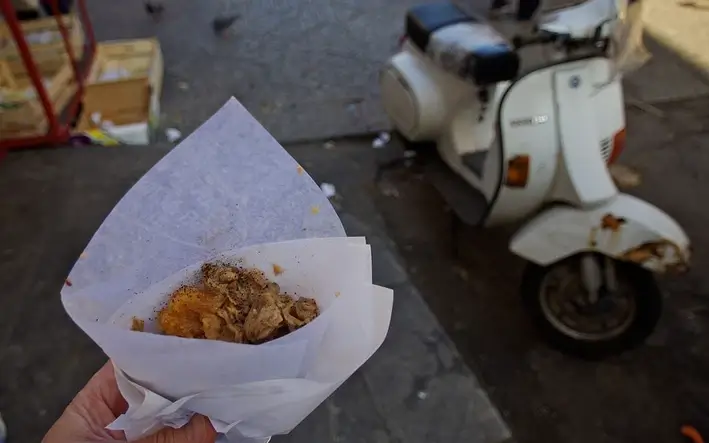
pixel 222 23
pixel 154 10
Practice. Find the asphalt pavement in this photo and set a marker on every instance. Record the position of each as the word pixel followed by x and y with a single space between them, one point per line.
pixel 306 69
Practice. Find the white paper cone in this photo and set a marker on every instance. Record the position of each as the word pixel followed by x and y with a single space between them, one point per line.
pixel 227 185
pixel 227 192
pixel 251 391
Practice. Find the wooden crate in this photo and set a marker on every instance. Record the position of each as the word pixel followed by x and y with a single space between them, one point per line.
pixel 7 80
pixel 45 41
pixel 21 112
pixel 124 84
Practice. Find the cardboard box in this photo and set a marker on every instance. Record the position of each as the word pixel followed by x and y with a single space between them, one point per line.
pixel 124 85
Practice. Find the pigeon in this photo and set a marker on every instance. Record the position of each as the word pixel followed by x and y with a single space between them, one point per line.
pixel 222 23
pixel 155 10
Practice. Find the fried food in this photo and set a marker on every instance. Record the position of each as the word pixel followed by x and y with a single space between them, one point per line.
pixel 137 325
pixel 184 313
pixel 236 305
pixel 264 319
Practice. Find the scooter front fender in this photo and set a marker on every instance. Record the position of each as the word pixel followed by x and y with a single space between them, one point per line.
pixel 625 228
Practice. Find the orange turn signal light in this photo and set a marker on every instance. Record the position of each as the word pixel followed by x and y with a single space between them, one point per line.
pixel 618 146
pixel 518 171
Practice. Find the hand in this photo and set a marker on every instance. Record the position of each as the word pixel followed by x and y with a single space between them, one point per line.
pixel 99 403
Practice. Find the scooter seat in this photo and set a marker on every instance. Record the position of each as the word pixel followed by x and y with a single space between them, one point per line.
pixel 461 44
pixel 424 20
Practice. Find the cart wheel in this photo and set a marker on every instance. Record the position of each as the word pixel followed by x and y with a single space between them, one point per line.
pixel 617 321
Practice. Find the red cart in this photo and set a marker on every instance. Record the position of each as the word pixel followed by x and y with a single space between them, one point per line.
pixel 59 121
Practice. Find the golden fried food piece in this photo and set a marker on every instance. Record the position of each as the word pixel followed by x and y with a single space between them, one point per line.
pixel 264 319
pixel 236 305
pixel 217 278
pixel 306 309
pixel 233 333
pixel 299 312
pixel 137 325
pixel 212 326
pixel 182 316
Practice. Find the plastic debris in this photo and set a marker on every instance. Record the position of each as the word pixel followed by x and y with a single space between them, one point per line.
pixel 378 143
pixel 422 395
pixel 409 154
pixel 388 190
pixel 183 86
pixel 328 189
pixel 329 144
pixel 382 140
pixel 691 433
pixel 96 118
pixel 172 134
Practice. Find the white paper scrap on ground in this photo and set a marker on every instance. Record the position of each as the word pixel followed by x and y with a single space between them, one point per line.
pixel 328 189
pixel 172 134
pixel 229 191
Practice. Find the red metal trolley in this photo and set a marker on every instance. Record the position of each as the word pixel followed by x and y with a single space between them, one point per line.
pixel 59 121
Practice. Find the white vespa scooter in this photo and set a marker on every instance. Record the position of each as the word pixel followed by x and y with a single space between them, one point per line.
pixel 535 146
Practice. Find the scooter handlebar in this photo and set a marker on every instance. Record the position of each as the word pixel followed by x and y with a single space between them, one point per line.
pixel 538 38
pixel 544 37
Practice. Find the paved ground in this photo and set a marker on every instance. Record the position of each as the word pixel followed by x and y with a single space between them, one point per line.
pixel 415 389
pixel 545 397
pixel 682 26
pixel 306 69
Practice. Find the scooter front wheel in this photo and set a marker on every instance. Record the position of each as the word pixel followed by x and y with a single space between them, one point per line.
pixel 592 326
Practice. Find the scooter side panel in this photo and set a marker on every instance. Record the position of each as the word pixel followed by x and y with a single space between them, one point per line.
pixel 625 228
pixel 527 124
pixel 583 177
pixel 418 96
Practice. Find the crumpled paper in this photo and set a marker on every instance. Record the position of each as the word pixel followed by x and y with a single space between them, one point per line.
pixel 227 192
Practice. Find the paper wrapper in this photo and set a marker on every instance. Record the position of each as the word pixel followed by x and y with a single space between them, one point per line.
pixel 228 192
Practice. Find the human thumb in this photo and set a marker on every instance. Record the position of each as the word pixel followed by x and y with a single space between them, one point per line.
pixel 198 430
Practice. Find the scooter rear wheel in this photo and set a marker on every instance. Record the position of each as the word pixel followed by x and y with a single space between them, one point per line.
pixel 560 308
